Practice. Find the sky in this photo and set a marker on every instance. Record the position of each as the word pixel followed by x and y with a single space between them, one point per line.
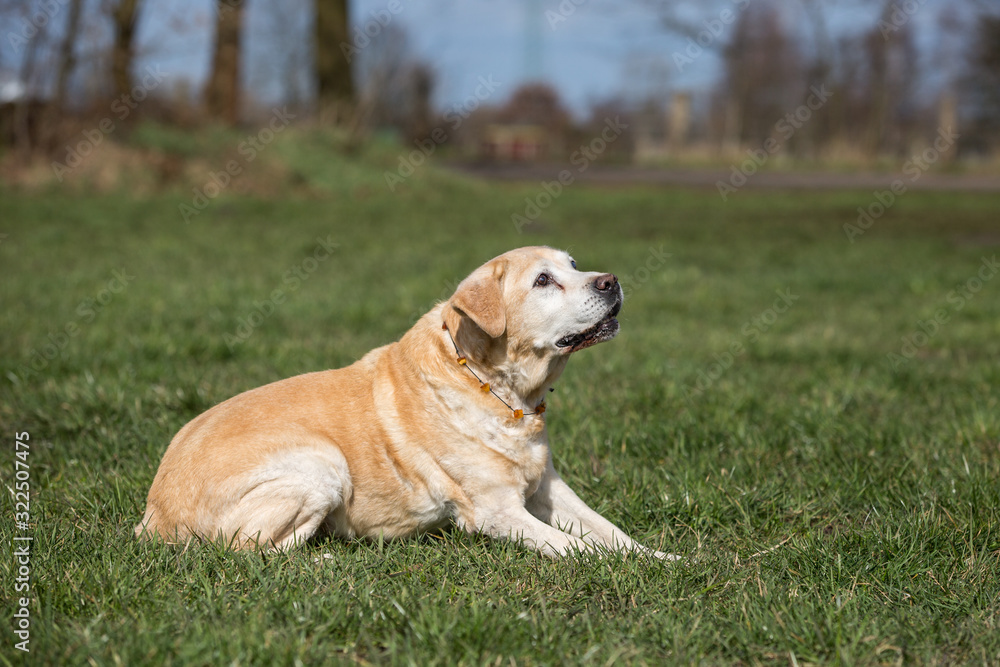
pixel 595 49
pixel 590 50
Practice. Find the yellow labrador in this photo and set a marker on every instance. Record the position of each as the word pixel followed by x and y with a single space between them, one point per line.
pixel 445 425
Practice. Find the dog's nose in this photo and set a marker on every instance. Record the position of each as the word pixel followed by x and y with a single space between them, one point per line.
pixel 605 282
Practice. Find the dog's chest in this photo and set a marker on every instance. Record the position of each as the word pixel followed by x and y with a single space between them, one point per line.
pixel 522 448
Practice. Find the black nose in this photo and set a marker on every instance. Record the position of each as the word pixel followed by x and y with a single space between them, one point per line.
pixel 605 282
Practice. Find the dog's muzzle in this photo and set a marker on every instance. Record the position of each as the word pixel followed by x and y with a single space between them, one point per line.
pixel 604 330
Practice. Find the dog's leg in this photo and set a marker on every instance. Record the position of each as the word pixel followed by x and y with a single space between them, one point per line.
pixel 556 504
pixel 514 522
pixel 286 501
pixel 278 514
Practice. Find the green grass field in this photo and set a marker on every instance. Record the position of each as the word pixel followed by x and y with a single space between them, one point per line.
pixel 834 503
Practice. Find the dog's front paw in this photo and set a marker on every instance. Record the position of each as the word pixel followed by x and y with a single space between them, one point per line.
pixel 665 556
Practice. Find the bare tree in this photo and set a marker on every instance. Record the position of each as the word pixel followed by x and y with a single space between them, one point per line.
pixel 65 65
pixel 28 107
pixel 67 55
pixel 982 84
pixel 892 58
pixel 819 72
pixel 762 79
pixel 335 89
pixel 222 95
pixel 281 58
pixel 394 86
pixel 421 81
pixel 123 18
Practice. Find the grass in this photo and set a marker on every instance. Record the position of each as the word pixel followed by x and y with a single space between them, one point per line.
pixel 834 505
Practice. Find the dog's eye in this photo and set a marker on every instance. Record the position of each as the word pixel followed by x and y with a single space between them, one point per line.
pixel 572 263
pixel 542 280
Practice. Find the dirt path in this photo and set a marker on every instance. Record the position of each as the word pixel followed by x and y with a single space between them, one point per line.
pixel 709 178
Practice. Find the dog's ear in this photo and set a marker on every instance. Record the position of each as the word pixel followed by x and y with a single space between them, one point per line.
pixel 479 297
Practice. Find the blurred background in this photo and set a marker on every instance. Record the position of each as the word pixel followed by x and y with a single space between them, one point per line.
pixel 800 199
pixel 694 84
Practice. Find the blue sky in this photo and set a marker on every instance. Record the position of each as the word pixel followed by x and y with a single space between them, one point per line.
pixel 589 54
pixel 590 51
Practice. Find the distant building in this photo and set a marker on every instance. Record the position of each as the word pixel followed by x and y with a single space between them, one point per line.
pixel 664 135
pixel 514 143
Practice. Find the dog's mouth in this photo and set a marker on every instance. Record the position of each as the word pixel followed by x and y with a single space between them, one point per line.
pixel 604 330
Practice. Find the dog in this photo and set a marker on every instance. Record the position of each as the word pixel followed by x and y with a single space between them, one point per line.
pixel 445 425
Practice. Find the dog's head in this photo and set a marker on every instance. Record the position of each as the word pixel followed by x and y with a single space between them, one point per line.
pixel 534 305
